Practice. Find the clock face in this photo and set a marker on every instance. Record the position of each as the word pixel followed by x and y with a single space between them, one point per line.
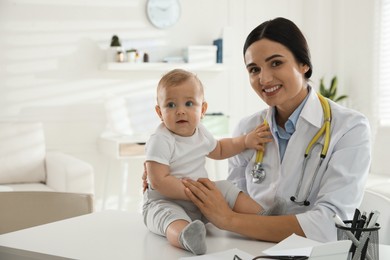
pixel 163 13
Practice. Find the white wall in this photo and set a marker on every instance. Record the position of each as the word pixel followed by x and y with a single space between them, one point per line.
pixel 51 52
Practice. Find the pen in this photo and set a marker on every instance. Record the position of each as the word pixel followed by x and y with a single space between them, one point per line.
pixel 341 223
pixel 358 231
pixel 374 215
pixel 356 217
pixel 365 237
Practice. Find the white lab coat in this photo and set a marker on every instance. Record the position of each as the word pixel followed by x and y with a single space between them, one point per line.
pixel 338 187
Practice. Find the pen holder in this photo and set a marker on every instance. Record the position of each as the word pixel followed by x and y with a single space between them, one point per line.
pixel 365 241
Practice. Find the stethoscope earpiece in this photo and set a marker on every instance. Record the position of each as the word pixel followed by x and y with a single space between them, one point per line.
pixel 305 202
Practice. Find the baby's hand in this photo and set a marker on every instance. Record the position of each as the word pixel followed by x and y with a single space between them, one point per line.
pixel 258 137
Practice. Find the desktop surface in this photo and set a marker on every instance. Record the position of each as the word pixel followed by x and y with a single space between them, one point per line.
pixel 115 234
pixel 110 235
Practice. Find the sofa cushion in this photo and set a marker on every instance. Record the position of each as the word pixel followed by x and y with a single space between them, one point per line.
pixel 29 187
pixel 5 188
pixel 22 152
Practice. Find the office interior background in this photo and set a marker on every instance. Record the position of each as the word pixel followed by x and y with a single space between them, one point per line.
pixel 53 63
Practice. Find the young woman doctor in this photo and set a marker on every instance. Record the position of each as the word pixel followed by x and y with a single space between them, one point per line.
pixel 300 122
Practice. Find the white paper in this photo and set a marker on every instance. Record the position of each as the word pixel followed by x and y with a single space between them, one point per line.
pixel 297 245
pixel 293 245
pixel 227 254
pixel 333 250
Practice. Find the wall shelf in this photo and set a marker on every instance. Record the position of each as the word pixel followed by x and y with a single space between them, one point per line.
pixel 161 66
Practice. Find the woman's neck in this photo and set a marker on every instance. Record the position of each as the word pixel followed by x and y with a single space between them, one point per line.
pixel 284 111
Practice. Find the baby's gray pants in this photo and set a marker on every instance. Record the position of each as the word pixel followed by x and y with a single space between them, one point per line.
pixel 159 211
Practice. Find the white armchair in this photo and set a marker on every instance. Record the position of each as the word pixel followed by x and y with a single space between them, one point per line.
pixel 377 191
pixel 379 172
pixel 379 200
pixel 25 165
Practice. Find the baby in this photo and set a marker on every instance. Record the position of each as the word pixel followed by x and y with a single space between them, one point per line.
pixel 178 150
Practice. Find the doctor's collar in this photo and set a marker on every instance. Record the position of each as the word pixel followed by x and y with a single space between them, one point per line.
pixel 290 124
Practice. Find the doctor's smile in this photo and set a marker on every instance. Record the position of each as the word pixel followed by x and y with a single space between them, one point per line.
pixel 272 90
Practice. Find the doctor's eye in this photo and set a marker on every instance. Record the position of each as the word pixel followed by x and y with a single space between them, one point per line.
pixel 171 105
pixel 189 104
pixel 276 63
pixel 253 70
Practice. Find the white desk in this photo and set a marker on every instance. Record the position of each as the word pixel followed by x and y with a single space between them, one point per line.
pixel 114 235
pixel 109 235
pixel 123 149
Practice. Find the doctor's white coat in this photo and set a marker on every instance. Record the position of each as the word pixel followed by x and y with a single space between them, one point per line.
pixel 338 187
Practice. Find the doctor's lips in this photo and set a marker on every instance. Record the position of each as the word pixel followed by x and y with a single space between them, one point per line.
pixel 270 90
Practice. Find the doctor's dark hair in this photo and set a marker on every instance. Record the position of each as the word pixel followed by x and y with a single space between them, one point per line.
pixel 285 32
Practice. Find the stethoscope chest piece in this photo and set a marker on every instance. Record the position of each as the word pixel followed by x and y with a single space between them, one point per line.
pixel 258 173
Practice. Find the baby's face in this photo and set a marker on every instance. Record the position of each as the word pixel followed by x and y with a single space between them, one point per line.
pixel 181 107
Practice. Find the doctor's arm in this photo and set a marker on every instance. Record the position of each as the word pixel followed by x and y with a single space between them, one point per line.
pixel 212 204
pixel 342 186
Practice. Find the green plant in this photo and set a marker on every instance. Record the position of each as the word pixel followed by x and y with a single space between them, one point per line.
pixel 331 92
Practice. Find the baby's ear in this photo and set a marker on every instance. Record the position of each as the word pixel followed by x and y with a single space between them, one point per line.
pixel 158 111
pixel 204 108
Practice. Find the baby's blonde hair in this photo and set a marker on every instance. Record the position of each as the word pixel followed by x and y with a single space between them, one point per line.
pixel 176 77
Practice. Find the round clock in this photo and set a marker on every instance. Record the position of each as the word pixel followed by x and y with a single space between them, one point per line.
pixel 163 13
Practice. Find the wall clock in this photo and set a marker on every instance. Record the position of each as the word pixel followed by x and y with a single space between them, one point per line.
pixel 163 13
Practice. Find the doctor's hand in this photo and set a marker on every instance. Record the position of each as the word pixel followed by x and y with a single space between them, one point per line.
pixel 206 196
pixel 258 137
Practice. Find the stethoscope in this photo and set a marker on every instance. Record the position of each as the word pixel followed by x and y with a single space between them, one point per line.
pixel 258 173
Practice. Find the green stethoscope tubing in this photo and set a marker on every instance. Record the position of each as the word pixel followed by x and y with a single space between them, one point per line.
pixel 258 173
